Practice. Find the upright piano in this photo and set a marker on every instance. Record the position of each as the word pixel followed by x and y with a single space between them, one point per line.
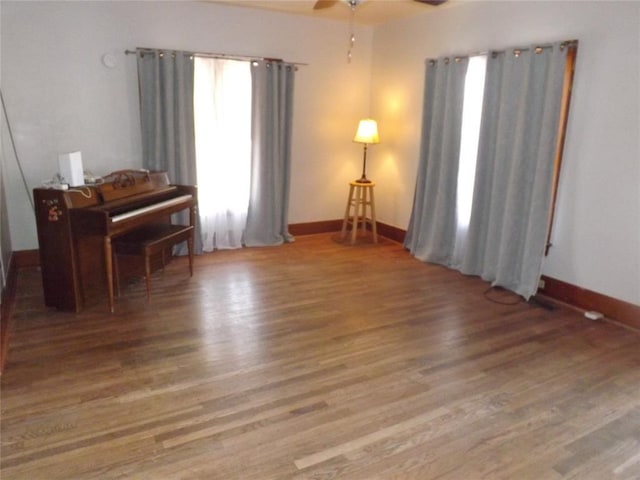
pixel 76 228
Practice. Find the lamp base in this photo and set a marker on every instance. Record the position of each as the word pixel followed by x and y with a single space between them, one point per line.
pixel 363 179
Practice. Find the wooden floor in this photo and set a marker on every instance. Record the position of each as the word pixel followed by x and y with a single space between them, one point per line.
pixel 321 361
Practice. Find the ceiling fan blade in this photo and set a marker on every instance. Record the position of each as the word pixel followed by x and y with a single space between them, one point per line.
pixel 321 4
pixel 435 3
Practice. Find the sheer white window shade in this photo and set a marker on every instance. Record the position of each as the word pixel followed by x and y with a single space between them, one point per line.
pixel 471 115
pixel 222 111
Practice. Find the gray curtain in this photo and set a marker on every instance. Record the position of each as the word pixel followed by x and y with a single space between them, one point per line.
pixel 272 114
pixel 432 227
pixel 165 80
pixel 512 193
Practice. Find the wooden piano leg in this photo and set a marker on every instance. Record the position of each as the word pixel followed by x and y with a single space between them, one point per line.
pixel 190 250
pixel 116 274
pixel 147 272
pixel 108 260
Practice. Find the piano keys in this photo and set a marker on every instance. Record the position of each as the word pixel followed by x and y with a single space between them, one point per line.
pixel 76 228
pixel 151 208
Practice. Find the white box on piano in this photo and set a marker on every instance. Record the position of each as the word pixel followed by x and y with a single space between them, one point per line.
pixel 70 166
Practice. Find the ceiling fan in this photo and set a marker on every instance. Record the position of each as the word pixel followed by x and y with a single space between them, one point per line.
pixel 352 4
pixel 321 4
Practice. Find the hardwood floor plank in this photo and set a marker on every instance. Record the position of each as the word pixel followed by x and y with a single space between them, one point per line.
pixel 316 360
pixel 363 441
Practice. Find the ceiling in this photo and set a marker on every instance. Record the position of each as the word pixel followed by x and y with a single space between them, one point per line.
pixel 369 12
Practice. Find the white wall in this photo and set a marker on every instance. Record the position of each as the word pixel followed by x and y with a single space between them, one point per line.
pixel 61 98
pixel 597 229
pixel 5 238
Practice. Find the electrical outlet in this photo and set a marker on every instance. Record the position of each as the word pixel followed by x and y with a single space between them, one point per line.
pixel 541 284
pixel 593 315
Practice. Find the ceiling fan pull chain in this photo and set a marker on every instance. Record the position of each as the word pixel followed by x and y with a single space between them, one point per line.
pixel 352 38
pixel 351 43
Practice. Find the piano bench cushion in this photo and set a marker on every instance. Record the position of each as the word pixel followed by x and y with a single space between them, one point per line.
pixel 150 239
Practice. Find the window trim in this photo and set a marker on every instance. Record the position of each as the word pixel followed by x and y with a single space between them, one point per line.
pixel 567 88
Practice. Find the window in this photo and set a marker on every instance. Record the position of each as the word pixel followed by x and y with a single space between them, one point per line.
pixel 493 131
pixel 472 111
pixel 471 114
pixel 222 123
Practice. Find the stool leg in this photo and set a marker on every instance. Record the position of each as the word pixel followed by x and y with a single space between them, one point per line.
pixel 347 212
pixel 372 207
pixel 365 202
pixel 356 215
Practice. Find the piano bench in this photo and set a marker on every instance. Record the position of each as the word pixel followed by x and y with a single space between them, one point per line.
pixel 149 241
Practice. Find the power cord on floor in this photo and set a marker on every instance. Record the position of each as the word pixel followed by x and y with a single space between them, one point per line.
pixel 496 288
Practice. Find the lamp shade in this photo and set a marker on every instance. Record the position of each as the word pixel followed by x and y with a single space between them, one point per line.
pixel 367 132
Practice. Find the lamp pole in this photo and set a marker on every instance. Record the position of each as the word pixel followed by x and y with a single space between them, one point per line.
pixel 364 178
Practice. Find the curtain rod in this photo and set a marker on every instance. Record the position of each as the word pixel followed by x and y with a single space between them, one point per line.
pixel 216 55
pixel 516 51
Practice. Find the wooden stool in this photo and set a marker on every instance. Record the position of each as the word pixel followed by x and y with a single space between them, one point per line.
pixel 360 197
pixel 151 240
